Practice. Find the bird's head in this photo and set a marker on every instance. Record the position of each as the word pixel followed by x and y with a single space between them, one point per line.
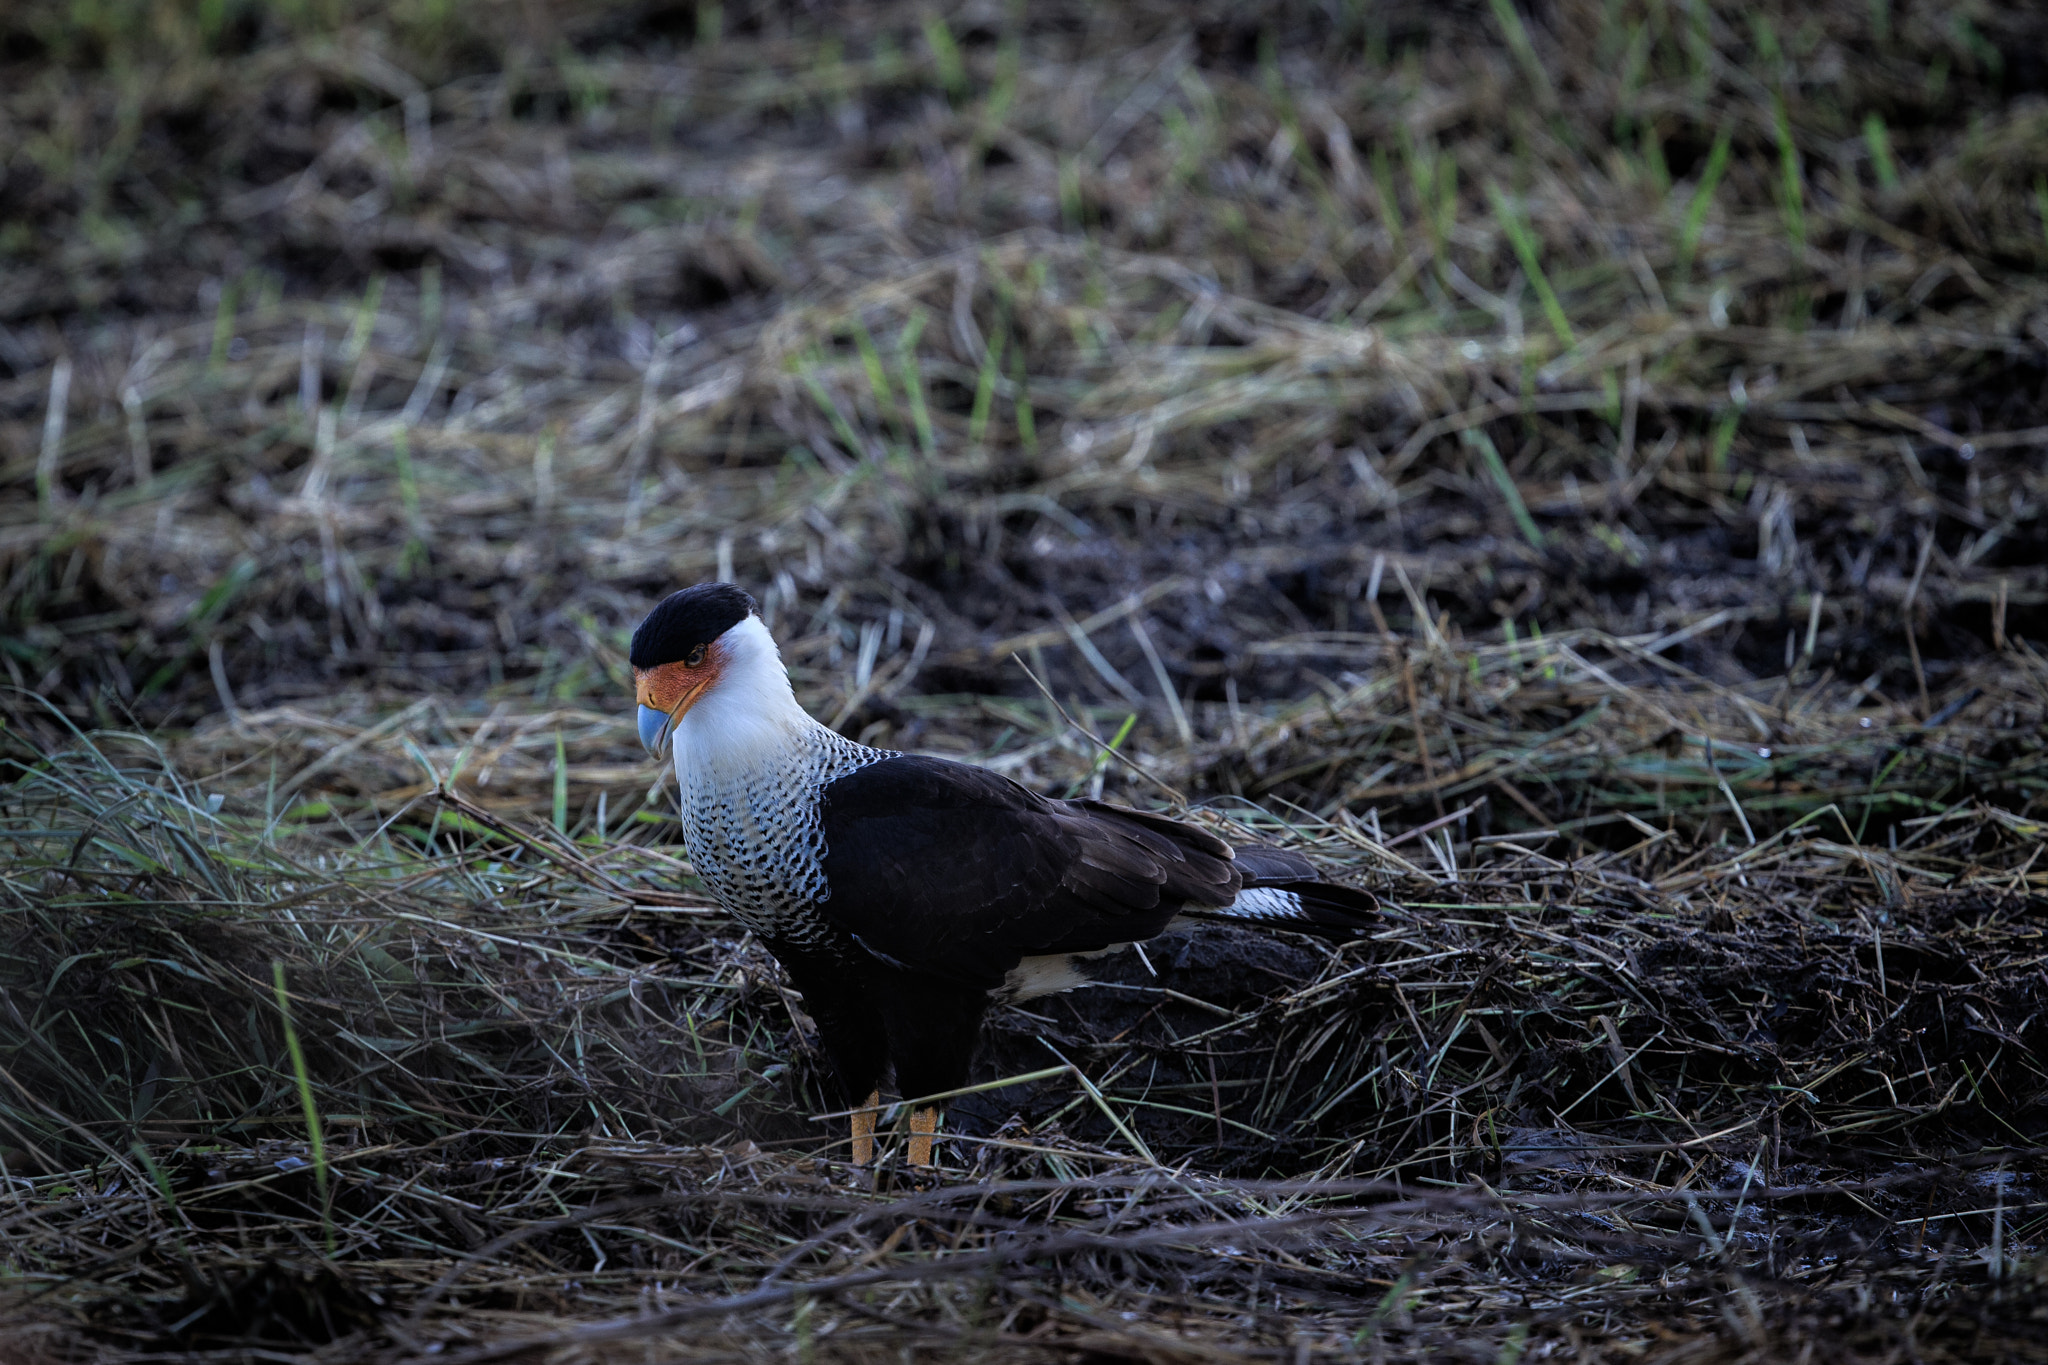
pixel 684 649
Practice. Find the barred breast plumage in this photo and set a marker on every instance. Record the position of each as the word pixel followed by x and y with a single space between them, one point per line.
pixel 755 835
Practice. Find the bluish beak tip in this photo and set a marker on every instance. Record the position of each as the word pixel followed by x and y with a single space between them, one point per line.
pixel 653 730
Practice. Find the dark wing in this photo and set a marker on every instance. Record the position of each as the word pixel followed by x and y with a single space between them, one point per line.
pixel 958 871
pixel 1264 865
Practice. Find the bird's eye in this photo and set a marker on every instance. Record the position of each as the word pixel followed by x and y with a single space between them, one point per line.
pixel 696 657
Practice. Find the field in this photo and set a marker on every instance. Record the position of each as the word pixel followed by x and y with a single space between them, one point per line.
pixel 1578 469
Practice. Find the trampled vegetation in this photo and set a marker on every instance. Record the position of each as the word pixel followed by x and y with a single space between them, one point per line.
pixel 1577 470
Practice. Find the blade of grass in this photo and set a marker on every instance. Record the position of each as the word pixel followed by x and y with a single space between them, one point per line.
pixel 223 325
pixel 1388 200
pixel 878 376
pixel 1879 144
pixel 1115 1120
pixel 1702 199
pixel 1476 439
pixel 1102 759
pixel 49 461
pixel 985 381
pixel 1389 1304
pixel 561 785
pixel 952 70
pixel 1791 188
pixel 1527 251
pixel 162 1181
pixel 912 379
pixel 807 368
pixel 315 1140
pixel 1517 34
pixel 1720 441
pixel 1072 207
pixel 414 555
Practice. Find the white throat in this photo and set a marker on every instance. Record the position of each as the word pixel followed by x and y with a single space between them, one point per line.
pixel 747 718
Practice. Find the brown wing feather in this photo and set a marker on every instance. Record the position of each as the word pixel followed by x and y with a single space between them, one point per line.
pixel 1173 833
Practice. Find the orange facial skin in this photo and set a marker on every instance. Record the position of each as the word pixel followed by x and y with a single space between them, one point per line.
pixel 673 688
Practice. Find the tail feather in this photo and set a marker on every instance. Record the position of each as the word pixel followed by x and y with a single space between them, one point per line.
pixel 1262 865
pixel 1283 889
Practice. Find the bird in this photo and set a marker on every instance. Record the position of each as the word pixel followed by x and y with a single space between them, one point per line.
pixel 904 894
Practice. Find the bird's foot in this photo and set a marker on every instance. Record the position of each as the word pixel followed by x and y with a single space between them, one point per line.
pixel 864 1129
pixel 924 1129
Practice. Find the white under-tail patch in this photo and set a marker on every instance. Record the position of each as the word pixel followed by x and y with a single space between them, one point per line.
pixel 1268 903
pixel 1036 976
pixel 1049 975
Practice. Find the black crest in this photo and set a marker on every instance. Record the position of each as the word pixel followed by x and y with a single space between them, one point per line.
pixel 686 619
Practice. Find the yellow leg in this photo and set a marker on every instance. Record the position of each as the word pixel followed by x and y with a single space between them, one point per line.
pixel 924 1126
pixel 864 1129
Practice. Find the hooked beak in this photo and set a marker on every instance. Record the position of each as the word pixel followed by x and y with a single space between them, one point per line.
pixel 654 730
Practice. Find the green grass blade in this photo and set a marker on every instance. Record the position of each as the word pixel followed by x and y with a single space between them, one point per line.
pixel 1523 239
pixel 912 379
pixel 946 57
pixel 1072 207
pixel 561 785
pixel 1517 35
pixel 807 368
pixel 871 362
pixel 224 591
pixel 1791 187
pixel 1476 439
pixel 985 383
pixel 1879 144
pixel 1723 438
pixel 223 326
pixel 1702 199
pixel 414 555
pixel 314 1138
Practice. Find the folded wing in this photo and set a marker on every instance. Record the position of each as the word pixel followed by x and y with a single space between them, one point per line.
pixel 959 872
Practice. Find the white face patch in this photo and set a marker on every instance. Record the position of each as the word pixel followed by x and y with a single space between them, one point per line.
pixel 749 716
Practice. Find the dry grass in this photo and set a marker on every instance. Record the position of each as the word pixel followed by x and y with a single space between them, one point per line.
pixel 1579 475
